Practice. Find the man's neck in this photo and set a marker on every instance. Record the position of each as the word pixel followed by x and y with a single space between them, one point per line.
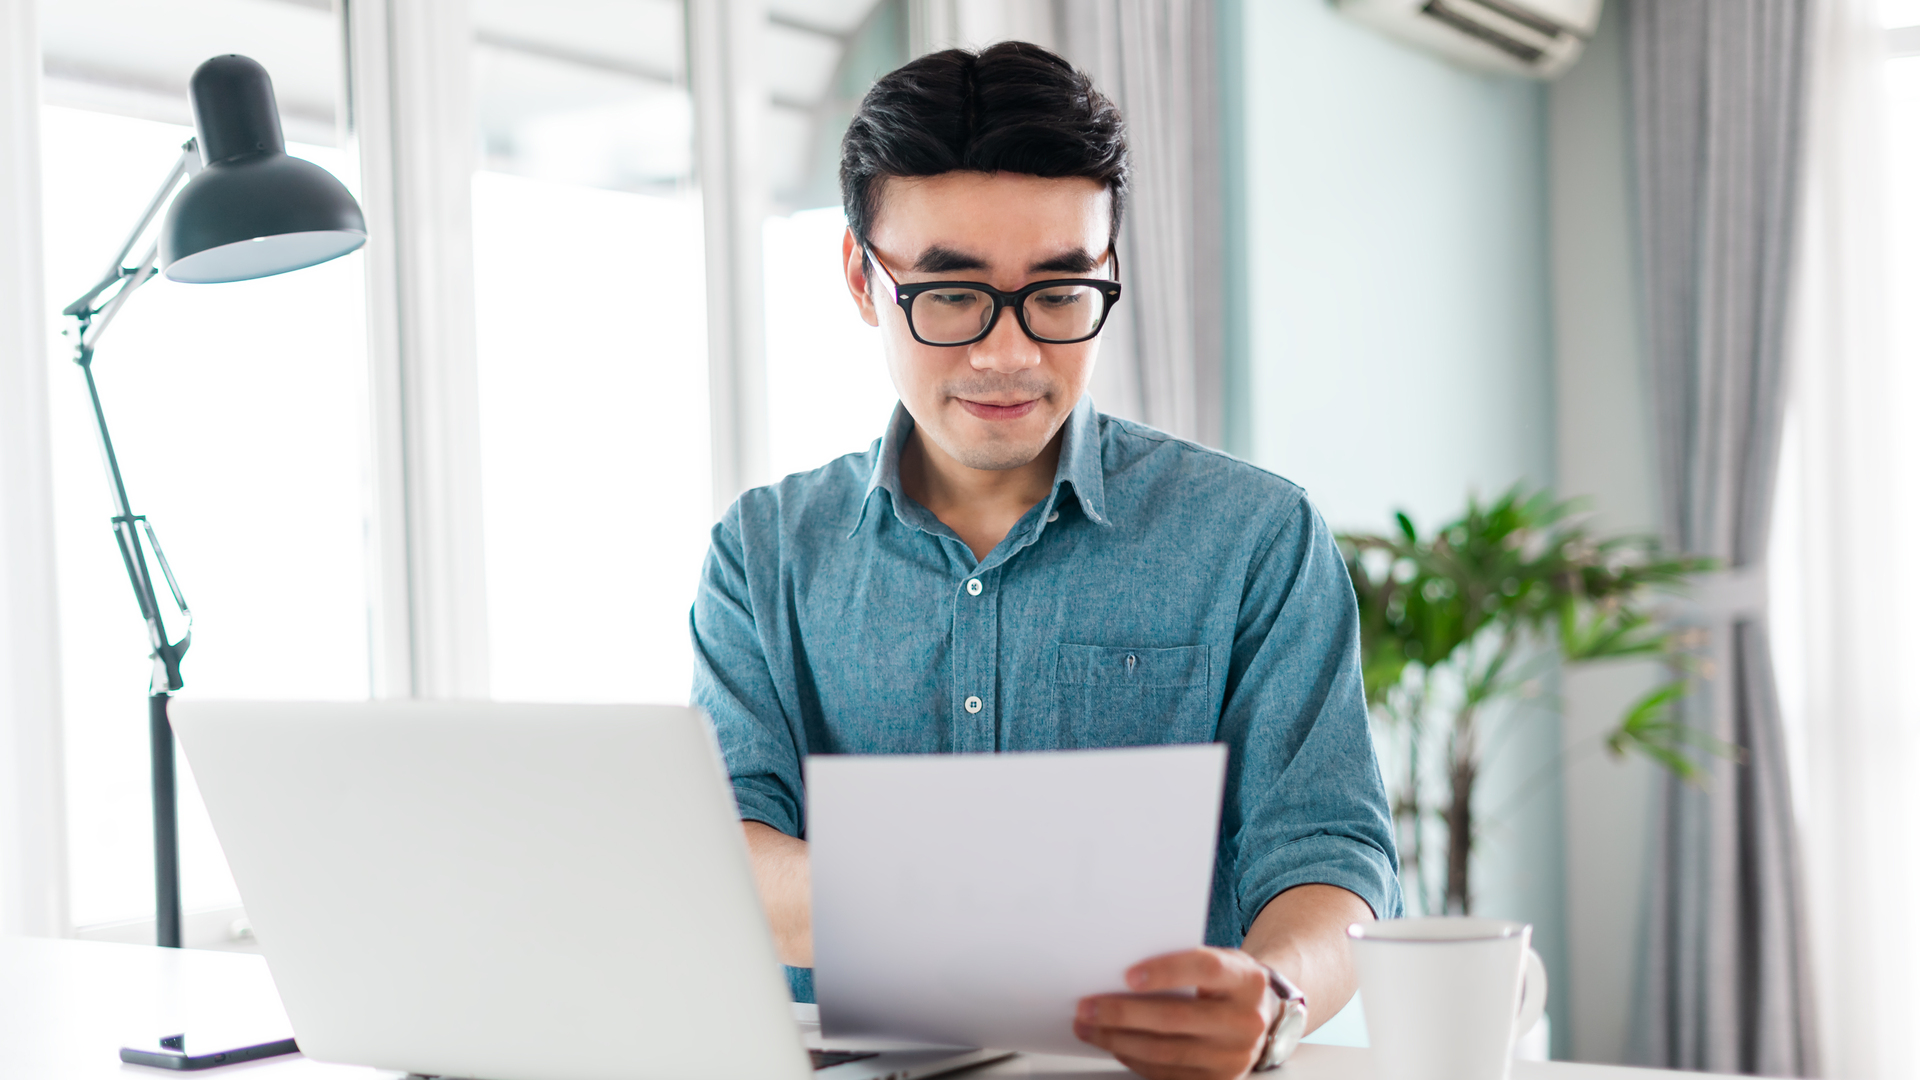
pixel 980 505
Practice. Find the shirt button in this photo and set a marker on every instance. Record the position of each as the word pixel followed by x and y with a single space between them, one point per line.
pixel 973 586
pixel 973 704
pixel 1053 517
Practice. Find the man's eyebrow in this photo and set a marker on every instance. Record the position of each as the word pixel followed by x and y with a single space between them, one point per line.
pixel 939 259
pixel 1067 262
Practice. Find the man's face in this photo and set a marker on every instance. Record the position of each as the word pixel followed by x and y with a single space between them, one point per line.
pixel 994 404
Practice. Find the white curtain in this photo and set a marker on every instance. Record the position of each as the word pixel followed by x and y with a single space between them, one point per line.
pixel 33 897
pixel 1843 580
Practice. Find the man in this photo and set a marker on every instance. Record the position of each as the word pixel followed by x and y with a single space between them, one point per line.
pixel 1008 569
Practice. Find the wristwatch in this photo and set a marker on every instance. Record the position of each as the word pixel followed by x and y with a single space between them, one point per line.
pixel 1288 1025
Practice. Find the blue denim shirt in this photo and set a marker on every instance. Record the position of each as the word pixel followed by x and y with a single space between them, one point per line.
pixel 1162 593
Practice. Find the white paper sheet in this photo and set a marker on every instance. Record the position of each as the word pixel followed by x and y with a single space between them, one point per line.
pixel 974 899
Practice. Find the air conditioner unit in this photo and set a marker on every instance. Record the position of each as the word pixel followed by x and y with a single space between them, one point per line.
pixel 1540 38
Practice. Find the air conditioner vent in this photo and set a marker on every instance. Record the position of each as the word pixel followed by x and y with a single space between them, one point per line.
pixel 1536 21
pixel 1459 20
pixel 1540 38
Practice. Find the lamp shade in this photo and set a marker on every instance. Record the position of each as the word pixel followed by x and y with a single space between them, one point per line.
pixel 251 211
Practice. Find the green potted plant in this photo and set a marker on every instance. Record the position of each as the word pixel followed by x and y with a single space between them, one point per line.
pixel 1458 626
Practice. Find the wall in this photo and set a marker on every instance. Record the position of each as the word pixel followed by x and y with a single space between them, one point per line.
pixel 1606 452
pixel 1398 335
pixel 1394 347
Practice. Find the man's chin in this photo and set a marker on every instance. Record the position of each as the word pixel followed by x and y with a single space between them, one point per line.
pixel 997 458
pixel 992 450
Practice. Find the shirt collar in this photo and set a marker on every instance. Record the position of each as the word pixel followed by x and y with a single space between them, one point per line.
pixel 1079 466
pixel 1080 463
pixel 886 465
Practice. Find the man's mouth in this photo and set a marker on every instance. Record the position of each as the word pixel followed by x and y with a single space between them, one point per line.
pixel 988 410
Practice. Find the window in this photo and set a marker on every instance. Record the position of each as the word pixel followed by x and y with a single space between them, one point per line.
pixel 246 416
pixel 828 392
pixel 588 264
pixel 589 296
pixel 238 412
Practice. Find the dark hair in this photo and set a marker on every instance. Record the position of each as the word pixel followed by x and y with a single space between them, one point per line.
pixel 1013 107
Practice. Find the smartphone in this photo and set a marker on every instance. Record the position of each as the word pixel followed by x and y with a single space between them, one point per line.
pixel 173 1054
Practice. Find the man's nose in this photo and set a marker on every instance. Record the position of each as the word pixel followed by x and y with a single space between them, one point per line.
pixel 1006 348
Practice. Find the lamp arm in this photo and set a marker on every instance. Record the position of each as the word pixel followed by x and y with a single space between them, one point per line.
pixel 128 528
pixel 184 167
pixel 96 322
pixel 127 533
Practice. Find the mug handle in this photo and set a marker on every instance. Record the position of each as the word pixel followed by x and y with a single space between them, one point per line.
pixel 1533 996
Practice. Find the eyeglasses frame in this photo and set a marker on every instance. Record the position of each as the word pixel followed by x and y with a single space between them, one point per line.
pixel 904 296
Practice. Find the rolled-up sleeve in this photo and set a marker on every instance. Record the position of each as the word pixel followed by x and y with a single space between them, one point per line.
pixel 1305 803
pixel 733 682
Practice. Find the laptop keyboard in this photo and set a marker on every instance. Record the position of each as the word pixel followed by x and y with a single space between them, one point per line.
pixel 827 1059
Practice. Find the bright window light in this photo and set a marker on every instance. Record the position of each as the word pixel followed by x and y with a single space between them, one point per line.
pixel 239 414
pixel 828 392
pixel 594 437
pixel 590 291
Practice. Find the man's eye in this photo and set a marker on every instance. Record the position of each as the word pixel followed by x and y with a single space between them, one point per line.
pixel 1057 300
pixel 954 299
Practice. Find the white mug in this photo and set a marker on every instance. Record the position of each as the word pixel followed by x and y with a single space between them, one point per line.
pixel 1447 996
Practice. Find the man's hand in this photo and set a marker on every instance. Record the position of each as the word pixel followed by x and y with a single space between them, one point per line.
pixel 1217 1034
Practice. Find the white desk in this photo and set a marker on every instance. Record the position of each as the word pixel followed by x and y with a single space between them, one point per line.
pixel 66 1008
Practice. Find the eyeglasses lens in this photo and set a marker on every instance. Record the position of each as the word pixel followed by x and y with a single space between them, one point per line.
pixel 950 316
pixel 1065 312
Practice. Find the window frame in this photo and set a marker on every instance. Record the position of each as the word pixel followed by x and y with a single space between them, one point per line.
pixel 409 122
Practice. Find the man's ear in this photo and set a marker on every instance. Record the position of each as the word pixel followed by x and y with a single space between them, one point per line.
pixel 856 267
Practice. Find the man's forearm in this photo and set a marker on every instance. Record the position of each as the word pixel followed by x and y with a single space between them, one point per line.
pixel 1302 934
pixel 780 869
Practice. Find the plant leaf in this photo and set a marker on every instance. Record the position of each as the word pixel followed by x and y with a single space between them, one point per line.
pixel 1648 729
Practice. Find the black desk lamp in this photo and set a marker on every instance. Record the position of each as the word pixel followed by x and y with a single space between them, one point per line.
pixel 247 211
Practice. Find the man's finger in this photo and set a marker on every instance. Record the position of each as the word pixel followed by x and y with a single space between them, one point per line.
pixel 1178 1051
pixel 1156 1071
pixel 1173 1016
pixel 1211 971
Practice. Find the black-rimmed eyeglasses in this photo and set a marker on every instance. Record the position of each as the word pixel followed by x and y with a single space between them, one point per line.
pixel 1058 311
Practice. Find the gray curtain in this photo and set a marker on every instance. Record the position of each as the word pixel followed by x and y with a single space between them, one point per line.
pixel 1718 89
pixel 1161 357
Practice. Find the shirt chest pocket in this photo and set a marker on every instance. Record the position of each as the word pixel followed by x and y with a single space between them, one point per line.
pixel 1124 696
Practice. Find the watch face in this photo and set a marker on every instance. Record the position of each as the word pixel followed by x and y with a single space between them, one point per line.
pixel 1288 1027
pixel 1286 1034
pixel 1293 1023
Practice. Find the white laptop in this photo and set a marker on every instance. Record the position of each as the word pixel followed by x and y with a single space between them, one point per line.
pixel 508 892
